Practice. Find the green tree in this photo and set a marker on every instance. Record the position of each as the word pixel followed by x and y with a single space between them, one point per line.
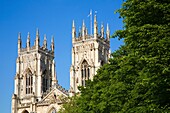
pixel 137 78
pixel 146 36
pixel 69 105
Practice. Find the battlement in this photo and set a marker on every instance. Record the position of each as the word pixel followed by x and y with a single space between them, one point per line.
pixel 36 46
pixel 83 33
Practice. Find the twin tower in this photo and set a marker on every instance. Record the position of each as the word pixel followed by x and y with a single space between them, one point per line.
pixel 89 53
pixel 36 86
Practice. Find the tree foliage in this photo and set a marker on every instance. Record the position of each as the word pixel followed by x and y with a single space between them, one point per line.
pixel 137 77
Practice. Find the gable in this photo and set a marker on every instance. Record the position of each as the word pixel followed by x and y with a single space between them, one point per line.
pixel 54 96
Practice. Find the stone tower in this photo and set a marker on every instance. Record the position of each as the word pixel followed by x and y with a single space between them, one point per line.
pixel 35 77
pixel 89 53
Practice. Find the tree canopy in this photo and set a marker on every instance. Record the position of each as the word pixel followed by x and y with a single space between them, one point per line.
pixel 137 77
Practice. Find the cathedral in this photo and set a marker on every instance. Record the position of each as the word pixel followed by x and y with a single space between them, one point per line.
pixel 36 89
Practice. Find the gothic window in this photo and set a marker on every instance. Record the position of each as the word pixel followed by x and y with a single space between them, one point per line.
pixel 44 81
pixel 29 83
pixel 83 82
pixel 25 111
pixel 88 73
pixel 102 63
pixel 82 73
pixel 85 72
pixel 50 81
pixel 53 110
pixel 102 50
pixel 77 81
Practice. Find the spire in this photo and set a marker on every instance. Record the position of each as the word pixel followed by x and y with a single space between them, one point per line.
pixel 52 44
pixel 108 33
pixel 83 24
pixel 80 31
pixel 37 32
pixel 86 32
pixel 73 25
pixel 28 40
pixel 45 42
pixel 95 27
pixel 83 30
pixel 37 38
pixel 102 31
pixel 73 31
pixel 19 36
pixel 19 42
pixel 90 15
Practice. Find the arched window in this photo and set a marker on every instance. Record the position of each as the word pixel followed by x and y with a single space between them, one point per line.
pixel 44 81
pixel 82 73
pixel 85 72
pixel 29 83
pixel 88 73
pixel 53 110
pixel 102 63
pixel 25 111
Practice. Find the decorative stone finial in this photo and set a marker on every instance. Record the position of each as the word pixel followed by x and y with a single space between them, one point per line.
pixel 37 32
pixel 108 33
pixel 80 31
pixel 73 31
pixel 83 30
pixel 86 31
pixel 28 40
pixel 73 25
pixel 83 24
pixel 19 36
pixel 37 40
pixel 52 44
pixel 45 42
pixel 95 27
pixel 102 31
pixel 19 42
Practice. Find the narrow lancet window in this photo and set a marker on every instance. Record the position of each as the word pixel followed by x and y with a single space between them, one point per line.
pixel 45 82
pixel 29 83
pixel 88 75
pixel 85 72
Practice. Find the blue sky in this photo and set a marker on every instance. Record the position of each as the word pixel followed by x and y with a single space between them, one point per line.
pixel 52 17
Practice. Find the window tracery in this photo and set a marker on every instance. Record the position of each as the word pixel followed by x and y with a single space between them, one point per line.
pixel 53 111
pixel 25 111
pixel 29 83
pixel 85 72
pixel 44 82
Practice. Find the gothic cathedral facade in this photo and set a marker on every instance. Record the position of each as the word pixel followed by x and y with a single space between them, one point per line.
pixel 36 88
